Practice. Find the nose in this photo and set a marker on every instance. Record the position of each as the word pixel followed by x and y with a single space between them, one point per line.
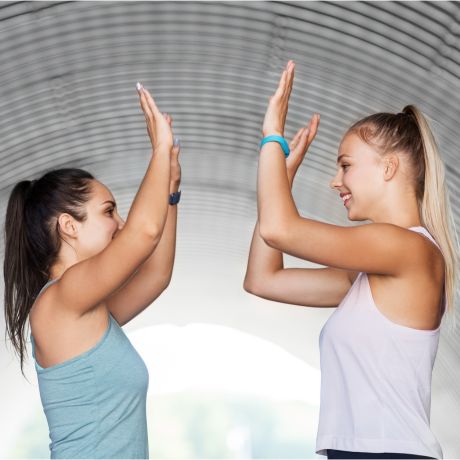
pixel 120 224
pixel 336 182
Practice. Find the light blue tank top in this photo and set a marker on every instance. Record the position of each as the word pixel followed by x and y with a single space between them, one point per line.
pixel 95 403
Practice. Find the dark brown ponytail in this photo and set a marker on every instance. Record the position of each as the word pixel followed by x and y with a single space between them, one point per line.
pixel 32 240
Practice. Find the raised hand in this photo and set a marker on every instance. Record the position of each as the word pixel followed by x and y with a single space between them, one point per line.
pixel 275 116
pixel 175 165
pixel 299 146
pixel 158 127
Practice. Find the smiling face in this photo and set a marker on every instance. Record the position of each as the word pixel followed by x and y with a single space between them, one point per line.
pixel 359 179
pixel 102 222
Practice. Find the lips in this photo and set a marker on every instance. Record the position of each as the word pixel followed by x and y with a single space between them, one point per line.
pixel 345 197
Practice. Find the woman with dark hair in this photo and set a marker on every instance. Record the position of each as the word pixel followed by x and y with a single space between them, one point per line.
pixel 390 279
pixel 78 273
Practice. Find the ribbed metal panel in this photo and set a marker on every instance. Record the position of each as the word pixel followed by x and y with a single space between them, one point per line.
pixel 67 98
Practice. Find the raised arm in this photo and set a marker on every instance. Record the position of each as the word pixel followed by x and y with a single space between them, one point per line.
pixel 378 248
pixel 313 287
pixel 154 275
pixel 85 284
pixel 266 276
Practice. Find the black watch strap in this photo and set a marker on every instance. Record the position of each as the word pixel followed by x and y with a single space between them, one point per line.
pixel 174 198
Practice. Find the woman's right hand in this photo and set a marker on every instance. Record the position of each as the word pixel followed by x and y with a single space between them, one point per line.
pixel 158 127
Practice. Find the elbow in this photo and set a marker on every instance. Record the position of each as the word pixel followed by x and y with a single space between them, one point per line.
pixel 251 286
pixel 154 234
pixel 166 281
pixel 151 231
pixel 272 235
pixel 162 281
pixel 247 285
pixel 150 236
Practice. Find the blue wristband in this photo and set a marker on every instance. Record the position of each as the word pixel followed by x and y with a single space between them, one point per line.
pixel 281 141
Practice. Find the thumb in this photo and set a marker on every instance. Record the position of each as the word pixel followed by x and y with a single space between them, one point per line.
pixel 176 146
pixel 304 139
pixel 302 142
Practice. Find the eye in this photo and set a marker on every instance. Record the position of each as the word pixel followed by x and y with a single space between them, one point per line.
pixel 345 166
pixel 110 211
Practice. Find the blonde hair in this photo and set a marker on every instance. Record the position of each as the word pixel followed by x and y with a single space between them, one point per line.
pixel 409 132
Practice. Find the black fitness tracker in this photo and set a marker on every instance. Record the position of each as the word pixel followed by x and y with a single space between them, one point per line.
pixel 174 198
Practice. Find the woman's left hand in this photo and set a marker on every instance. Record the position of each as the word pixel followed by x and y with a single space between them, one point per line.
pixel 299 146
pixel 275 117
pixel 175 165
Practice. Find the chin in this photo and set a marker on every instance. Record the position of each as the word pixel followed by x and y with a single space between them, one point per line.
pixel 354 217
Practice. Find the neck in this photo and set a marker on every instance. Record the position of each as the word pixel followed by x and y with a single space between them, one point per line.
pixel 59 268
pixel 401 210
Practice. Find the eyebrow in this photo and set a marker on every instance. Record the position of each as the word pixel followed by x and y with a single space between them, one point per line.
pixel 342 156
pixel 111 202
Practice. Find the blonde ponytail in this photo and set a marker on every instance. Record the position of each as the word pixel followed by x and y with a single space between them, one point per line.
pixel 435 210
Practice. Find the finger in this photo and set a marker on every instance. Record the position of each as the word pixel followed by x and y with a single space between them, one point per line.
pixel 295 139
pixel 281 85
pixel 290 78
pixel 167 118
pixel 152 104
pixel 313 125
pixel 145 106
pixel 286 72
pixel 304 140
pixel 176 147
pixel 175 153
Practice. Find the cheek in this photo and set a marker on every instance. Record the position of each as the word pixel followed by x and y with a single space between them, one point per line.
pixel 102 230
pixel 361 179
pixel 112 228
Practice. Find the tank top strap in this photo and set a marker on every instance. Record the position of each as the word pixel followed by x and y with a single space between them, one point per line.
pixel 425 233
pixel 48 283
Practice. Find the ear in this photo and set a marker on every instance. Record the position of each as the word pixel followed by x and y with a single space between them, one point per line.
pixel 390 166
pixel 67 225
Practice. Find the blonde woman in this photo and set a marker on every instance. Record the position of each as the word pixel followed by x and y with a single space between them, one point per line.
pixel 78 272
pixel 391 280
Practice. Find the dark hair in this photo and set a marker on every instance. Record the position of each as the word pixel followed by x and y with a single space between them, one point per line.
pixel 32 240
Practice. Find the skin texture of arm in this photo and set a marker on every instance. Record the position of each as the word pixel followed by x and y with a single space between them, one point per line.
pixel 266 277
pixel 378 248
pixel 390 252
pixel 152 278
pixel 87 283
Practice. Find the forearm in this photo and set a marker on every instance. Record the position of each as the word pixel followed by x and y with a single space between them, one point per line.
pixel 263 260
pixel 161 261
pixel 276 207
pixel 149 210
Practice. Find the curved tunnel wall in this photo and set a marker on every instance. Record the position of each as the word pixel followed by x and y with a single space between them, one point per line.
pixel 67 84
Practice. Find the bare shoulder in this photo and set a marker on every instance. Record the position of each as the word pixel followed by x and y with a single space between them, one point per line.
pixel 416 247
pixel 46 316
pixel 430 252
pixel 42 309
pixel 414 298
pixel 48 312
pixel 60 333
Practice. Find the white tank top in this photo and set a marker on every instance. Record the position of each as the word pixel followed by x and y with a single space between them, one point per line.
pixel 375 379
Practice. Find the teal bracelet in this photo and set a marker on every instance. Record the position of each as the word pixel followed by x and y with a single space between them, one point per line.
pixel 281 141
